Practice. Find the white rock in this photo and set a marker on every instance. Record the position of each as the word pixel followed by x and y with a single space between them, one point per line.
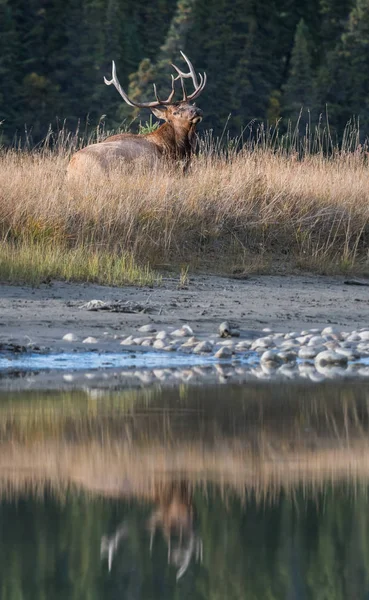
pixel 224 352
pixel 329 357
pixel 350 353
pixel 184 331
pixel 289 345
pixel 363 347
pixel 228 343
pixel 159 344
pixel 203 347
pixel 353 337
pixel 70 337
pixel 316 339
pixel 139 340
pixel 68 377
pixel 263 342
pixel 270 357
pixel 169 348
pixel 308 352
pixel 127 341
pixel 161 335
pixel 244 345
pixel 147 342
pixel 89 340
pixel 303 339
pixel 364 336
pixel 330 330
pixel 149 328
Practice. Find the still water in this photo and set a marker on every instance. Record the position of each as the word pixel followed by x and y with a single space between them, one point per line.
pixel 258 491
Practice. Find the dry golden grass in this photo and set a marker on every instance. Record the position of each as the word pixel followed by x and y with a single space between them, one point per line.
pixel 257 207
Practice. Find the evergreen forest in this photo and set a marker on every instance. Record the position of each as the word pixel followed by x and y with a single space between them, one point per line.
pixel 265 60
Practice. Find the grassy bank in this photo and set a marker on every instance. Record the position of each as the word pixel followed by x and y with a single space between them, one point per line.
pixel 259 209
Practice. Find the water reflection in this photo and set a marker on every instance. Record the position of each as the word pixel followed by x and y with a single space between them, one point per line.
pixel 202 493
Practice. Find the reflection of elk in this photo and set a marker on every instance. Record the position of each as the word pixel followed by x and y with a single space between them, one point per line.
pixel 174 139
pixel 174 516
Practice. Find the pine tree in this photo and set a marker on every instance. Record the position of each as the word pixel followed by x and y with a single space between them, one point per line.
pixel 159 72
pixel 298 90
pixel 9 50
pixel 353 54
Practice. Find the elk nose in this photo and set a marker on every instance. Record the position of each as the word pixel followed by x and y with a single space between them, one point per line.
pixel 198 112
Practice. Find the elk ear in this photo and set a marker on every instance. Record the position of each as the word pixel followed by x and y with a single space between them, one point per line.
pixel 160 112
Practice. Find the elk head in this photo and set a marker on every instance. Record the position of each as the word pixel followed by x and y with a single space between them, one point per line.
pixel 179 114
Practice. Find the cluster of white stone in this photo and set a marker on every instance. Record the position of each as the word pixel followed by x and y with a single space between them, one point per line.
pixel 311 351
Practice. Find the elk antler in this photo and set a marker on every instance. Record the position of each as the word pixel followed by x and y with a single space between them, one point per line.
pixel 114 80
pixel 198 87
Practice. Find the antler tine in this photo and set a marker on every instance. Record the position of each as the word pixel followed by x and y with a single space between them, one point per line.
pixel 114 80
pixel 197 92
pixel 191 74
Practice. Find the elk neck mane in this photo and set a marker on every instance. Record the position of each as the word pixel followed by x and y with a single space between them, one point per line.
pixel 176 142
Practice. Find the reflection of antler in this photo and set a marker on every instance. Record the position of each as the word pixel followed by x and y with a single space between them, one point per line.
pixel 174 517
pixel 109 545
pixel 182 556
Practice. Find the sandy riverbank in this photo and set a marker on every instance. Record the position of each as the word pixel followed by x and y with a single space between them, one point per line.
pixel 284 303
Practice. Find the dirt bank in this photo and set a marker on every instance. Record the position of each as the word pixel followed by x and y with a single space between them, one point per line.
pixel 44 315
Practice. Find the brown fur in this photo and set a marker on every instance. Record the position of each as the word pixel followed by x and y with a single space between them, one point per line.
pixel 174 140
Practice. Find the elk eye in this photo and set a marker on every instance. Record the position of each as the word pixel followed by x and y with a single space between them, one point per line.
pixel 175 112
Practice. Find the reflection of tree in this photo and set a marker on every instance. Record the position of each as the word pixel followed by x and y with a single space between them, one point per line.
pixel 314 546
pixel 173 515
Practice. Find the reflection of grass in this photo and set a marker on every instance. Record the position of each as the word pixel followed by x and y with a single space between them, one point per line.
pixel 131 441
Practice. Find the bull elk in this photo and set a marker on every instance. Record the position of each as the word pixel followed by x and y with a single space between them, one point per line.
pixel 173 140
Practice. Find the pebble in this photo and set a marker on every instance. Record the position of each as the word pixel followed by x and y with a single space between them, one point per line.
pixel 270 357
pixel 353 337
pixel 308 352
pixel 90 340
pixel 184 331
pixel 127 341
pixel 350 353
pixel 68 377
pixel 139 340
pixel 161 335
pixel 223 352
pixel 159 344
pixel 316 339
pixel 70 337
pixel 263 342
pixel 203 347
pixel 149 328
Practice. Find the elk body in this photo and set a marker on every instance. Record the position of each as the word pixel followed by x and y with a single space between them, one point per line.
pixel 172 141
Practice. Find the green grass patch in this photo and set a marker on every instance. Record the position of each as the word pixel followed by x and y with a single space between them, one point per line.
pixel 35 263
